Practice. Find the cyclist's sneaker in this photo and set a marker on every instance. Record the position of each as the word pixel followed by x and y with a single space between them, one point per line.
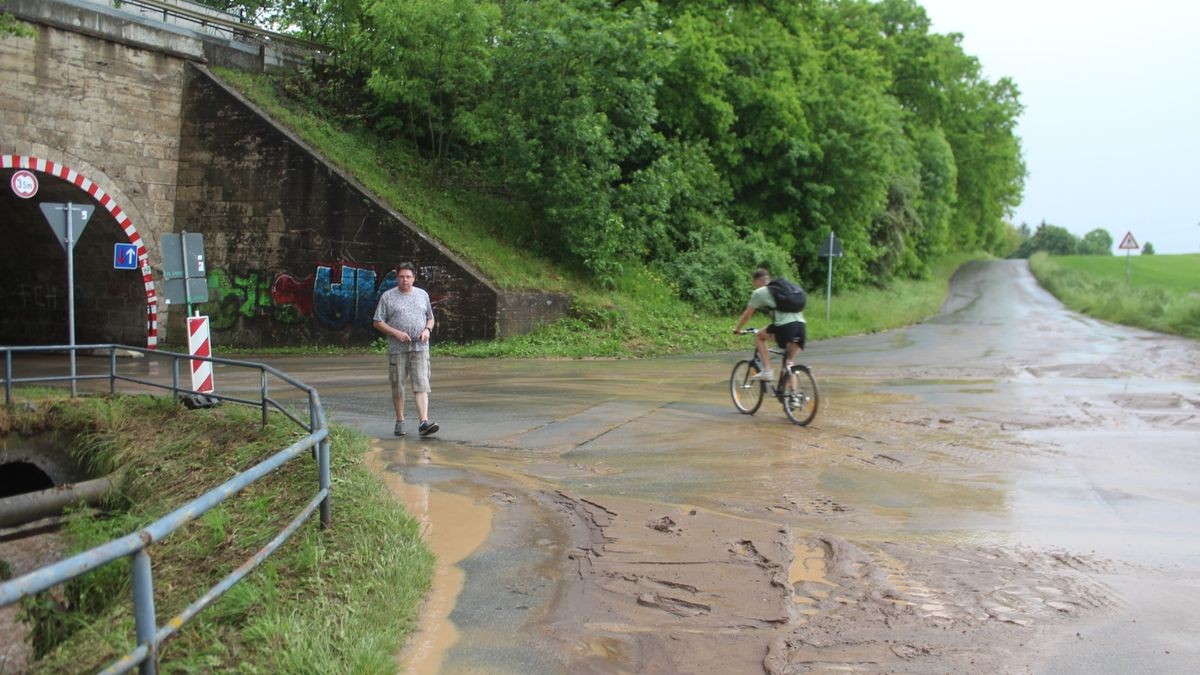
pixel 399 428
pixel 428 427
pixel 766 375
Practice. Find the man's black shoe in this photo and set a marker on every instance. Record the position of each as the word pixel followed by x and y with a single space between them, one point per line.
pixel 427 428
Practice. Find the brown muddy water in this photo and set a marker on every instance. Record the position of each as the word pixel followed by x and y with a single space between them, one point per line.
pixel 1009 487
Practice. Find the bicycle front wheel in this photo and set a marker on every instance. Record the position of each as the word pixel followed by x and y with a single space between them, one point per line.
pixel 747 393
pixel 800 396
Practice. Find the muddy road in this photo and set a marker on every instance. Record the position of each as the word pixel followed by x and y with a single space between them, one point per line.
pixel 1009 487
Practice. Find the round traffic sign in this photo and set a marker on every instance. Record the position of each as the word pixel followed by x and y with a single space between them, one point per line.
pixel 24 184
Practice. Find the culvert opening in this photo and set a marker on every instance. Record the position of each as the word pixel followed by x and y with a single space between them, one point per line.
pixel 18 478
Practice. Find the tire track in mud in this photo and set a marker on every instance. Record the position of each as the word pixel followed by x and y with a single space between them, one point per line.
pixel 668 588
pixel 663 588
pixel 889 607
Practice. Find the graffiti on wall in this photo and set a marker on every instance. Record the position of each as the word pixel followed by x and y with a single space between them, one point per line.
pixel 37 296
pixel 231 296
pixel 337 295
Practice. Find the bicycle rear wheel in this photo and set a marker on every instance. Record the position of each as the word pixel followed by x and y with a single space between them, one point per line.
pixel 800 396
pixel 747 393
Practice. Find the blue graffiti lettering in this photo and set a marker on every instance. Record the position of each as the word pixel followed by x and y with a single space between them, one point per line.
pixel 350 302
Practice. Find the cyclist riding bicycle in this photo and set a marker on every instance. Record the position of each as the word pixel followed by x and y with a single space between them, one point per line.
pixel 789 328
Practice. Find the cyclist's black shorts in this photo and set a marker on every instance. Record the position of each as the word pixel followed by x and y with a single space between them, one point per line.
pixel 796 331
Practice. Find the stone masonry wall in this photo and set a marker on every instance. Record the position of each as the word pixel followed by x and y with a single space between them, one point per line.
pixel 298 253
pixel 111 112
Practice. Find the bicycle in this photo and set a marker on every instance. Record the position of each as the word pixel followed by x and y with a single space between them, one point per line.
pixel 796 388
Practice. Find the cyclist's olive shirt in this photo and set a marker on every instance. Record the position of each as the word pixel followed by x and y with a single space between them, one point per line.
pixel 761 299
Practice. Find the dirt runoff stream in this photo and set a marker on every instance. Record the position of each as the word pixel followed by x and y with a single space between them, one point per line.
pixel 1009 487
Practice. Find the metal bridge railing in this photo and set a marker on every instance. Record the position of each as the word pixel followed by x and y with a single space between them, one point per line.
pixel 137 544
pixel 210 21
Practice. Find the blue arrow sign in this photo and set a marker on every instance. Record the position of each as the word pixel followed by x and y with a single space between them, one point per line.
pixel 125 257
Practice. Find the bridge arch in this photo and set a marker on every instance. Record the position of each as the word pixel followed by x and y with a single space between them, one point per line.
pixel 104 199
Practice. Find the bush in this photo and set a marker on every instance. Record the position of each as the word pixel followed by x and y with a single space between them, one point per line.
pixel 714 274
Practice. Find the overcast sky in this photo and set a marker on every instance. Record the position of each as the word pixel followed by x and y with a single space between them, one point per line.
pixel 1111 128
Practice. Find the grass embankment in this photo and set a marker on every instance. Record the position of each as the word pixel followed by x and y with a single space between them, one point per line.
pixel 471 223
pixel 641 316
pixel 655 322
pixel 1162 292
pixel 339 600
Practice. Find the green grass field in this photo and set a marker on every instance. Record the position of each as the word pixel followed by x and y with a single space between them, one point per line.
pixel 1161 292
pixel 1174 273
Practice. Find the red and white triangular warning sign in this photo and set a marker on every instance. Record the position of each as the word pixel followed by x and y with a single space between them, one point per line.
pixel 199 345
pixel 1128 242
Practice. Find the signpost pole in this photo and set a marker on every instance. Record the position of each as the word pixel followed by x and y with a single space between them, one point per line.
pixel 829 288
pixel 61 218
pixel 71 289
pixel 831 249
pixel 1128 244
pixel 187 295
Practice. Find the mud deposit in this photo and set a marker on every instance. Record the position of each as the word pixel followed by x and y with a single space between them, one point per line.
pixel 1007 488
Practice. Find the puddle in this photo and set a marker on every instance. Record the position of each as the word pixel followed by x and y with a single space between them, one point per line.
pixel 808 566
pixel 454 526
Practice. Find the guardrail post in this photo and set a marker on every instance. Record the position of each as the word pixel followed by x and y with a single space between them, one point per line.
pixel 143 610
pixel 323 470
pixel 321 454
pixel 262 373
pixel 175 378
pixel 112 370
pixel 8 378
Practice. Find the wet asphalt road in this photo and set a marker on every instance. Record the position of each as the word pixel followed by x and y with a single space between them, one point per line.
pixel 1005 422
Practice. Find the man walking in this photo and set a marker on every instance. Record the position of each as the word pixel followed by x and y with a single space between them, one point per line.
pixel 405 316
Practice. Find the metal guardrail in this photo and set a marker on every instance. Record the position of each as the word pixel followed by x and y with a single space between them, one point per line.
pixel 205 19
pixel 135 545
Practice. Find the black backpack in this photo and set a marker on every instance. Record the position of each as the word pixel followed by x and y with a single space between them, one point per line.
pixel 788 297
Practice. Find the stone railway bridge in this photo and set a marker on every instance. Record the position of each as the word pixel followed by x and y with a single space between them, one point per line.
pixel 118 111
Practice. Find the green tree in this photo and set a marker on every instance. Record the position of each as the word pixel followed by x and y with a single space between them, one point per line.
pixel 654 131
pixel 917 61
pixel 737 84
pixel 1096 242
pixel 1052 239
pixel 1148 249
pixel 261 13
pixel 569 122
pixel 429 61
pixel 866 160
pixel 980 127
pixel 10 26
